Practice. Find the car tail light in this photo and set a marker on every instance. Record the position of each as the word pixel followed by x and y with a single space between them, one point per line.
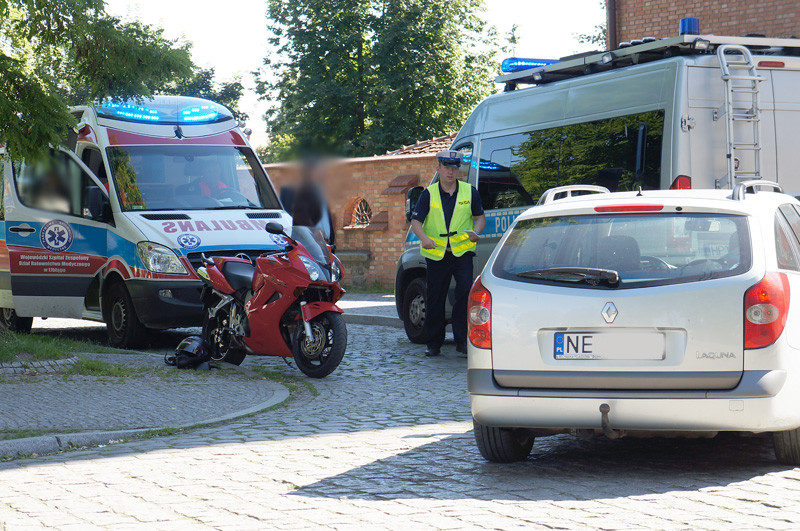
pixel 765 308
pixel 479 315
pixel 681 182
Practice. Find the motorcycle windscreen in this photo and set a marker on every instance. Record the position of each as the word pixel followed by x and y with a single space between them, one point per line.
pixel 313 239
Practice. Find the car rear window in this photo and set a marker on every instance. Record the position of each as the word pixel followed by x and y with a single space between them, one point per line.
pixel 642 249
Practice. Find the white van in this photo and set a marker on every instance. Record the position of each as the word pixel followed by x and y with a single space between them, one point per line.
pixel 114 230
pixel 694 111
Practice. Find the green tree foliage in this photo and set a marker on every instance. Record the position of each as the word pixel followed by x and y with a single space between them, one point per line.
pixel 359 77
pixel 200 84
pixel 53 54
pixel 599 37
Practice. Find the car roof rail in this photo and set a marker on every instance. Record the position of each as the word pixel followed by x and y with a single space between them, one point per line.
pixel 743 188
pixel 565 192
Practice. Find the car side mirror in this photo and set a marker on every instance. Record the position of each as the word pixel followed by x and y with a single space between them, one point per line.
pixel 411 200
pixel 99 206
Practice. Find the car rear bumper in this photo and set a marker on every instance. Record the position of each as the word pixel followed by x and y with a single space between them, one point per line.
pixel 759 403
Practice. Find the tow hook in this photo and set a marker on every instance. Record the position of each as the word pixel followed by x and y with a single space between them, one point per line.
pixel 608 431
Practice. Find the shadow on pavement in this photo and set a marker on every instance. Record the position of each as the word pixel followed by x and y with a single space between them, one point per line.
pixel 155 340
pixel 559 468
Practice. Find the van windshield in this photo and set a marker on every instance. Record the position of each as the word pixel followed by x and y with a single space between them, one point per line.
pixel 619 251
pixel 189 178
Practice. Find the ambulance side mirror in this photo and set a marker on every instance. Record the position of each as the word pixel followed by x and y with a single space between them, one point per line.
pixel 411 200
pixel 99 206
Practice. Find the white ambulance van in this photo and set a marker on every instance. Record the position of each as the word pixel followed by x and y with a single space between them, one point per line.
pixel 693 111
pixel 113 230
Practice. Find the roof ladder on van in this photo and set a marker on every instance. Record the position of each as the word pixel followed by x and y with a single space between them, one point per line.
pixel 740 77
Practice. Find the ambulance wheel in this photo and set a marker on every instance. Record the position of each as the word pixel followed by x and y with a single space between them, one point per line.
pixel 414 311
pixel 9 320
pixel 122 324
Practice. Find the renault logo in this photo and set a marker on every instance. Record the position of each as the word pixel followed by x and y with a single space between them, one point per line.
pixel 609 312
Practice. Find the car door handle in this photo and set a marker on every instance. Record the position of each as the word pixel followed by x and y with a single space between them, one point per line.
pixel 26 230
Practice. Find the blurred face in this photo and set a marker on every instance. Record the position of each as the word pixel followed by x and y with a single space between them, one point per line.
pixel 448 174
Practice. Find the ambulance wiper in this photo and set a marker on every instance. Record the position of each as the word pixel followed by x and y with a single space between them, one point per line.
pixel 590 275
pixel 236 207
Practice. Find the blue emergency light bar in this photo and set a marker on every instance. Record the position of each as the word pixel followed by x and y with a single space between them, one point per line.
pixel 517 64
pixel 168 110
pixel 483 165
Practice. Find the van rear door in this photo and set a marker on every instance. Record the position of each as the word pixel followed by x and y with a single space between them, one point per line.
pixel 55 248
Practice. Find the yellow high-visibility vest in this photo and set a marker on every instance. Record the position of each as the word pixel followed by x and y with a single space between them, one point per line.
pixel 455 235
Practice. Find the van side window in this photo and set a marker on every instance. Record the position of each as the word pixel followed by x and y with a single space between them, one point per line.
pixel 56 184
pixel 619 153
pixel 785 245
pixel 466 158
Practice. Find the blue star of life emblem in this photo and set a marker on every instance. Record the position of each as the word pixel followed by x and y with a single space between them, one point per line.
pixel 189 241
pixel 56 236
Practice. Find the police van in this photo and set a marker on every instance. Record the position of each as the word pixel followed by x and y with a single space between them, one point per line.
pixel 693 111
pixel 112 228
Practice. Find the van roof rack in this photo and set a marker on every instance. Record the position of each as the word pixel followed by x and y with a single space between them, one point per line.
pixel 584 64
pixel 745 187
pixel 560 193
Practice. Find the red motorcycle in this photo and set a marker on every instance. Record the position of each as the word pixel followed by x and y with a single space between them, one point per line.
pixel 284 305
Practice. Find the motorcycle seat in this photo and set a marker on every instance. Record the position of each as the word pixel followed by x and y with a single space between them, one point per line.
pixel 238 274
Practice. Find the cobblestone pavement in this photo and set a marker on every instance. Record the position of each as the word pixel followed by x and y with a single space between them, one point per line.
pixel 387 443
pixel 163 396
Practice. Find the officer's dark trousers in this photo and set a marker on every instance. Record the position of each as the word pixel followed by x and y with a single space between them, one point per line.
pixel 437 284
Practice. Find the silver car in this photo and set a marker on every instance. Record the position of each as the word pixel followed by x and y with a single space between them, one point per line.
pixel 631 314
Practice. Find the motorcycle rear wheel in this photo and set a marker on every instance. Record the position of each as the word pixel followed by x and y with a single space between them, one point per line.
pixel 319 356
pixel 216 340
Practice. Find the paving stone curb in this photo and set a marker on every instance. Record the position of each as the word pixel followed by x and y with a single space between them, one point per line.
pixel 375 320
pixel 40 367
pixel 47 444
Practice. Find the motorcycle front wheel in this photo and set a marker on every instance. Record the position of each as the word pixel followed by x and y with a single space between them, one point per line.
pixel 319 355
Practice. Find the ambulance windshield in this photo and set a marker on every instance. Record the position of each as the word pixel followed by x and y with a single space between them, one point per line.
pixel 159 177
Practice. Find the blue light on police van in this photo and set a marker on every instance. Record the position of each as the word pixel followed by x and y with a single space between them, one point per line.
pixel 483 165
pixel 200 113
pixel 517 64
pixel 690 26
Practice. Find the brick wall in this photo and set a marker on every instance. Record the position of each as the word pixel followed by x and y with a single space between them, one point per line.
pixel 661 18
pixel 383 183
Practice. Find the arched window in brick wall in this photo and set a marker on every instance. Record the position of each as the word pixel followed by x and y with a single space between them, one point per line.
pixel 361 213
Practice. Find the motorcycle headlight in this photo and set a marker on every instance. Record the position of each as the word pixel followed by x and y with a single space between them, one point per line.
pixel 314 271
pixel 336 270
pixel 160 259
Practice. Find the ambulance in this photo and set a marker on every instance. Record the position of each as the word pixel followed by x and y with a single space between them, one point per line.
pixel 113 227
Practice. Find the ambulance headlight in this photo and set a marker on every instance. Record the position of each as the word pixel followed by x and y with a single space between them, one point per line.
pixel 160 259
pixel 314 271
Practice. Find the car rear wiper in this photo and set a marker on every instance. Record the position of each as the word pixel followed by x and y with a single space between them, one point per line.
pixel 590 275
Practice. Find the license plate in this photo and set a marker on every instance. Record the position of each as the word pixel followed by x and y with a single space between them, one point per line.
pixel 609 346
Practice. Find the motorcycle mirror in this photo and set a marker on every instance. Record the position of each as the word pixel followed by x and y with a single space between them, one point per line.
pixel 274 228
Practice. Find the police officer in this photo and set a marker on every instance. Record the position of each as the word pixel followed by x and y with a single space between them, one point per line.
pixel 448 220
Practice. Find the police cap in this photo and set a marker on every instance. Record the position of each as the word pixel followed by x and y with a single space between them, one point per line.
pixel 449 157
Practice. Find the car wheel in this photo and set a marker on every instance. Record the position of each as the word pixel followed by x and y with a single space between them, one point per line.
pixel 122 324
pixel 502 445
pixel 9 320
pixel 787 446
pixel 414 311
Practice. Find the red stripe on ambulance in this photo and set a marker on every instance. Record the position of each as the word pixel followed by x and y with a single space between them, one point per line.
pixel 123 138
